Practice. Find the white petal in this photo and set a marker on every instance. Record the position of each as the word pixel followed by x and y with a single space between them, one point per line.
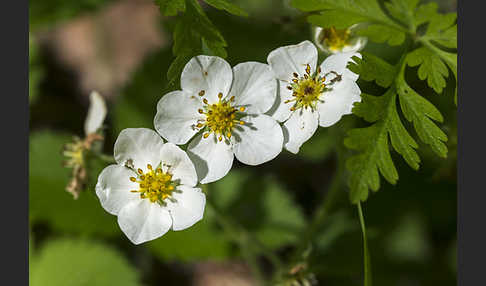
pixel 289 59
pixel 208 73
pixel 299 128
pixel 254 87
pixel 177 115
pixel 141 145
pixel 338 63
pixel 338 102
pixel 181 167
pixel 258 141
pixel 114 186
pixel 188 208
pixel 96 113
pixel 281 110
pixel 142 220
pixel 213 159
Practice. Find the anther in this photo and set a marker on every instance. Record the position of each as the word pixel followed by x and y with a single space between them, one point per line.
pixel 199 125
pixel 306 76
pixel 289 87
pixel 149 166
pixel 220 95
pixel 242 108
pixel 206 135
pixel 200 111
pixel 201 93
pixel 232 98
pixel 319 70
pixel 295 80
pixel 220 138
pixel 140 171
pixel 133 179
pixel 205 101
pixel 296 75
pixel 308 69
pixel 229 135
pixel 242 122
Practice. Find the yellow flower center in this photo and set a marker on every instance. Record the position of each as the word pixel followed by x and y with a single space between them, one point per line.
pixel 155 185
pixel 306 89
pixel 336 39
pixel 221 117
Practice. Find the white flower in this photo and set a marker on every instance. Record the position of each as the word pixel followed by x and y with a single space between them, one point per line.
pixel 224 107
pixel 309 95
pixel 332 40
pixel 151 189
pixel 96 113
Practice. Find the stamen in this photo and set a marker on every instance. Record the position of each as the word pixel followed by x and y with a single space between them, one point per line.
pixel 140 171
pixel 308 69
pixel 220 95
pixel 242 122
pixel 149 166
pixel 228 134
pixel 200 111
pixel 242 108
pixel 201 93
pixel 296 75
pixel 220 138
pixel 199 125
pixel 289 87
pixel 206 135
pixel 133 179
pixel 205 101
pixel 232 98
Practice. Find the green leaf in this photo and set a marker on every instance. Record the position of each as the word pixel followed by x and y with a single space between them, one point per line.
pixel 403 11
pixel 372 68
pixel 171 7
pixel 441 28
pixel 431 67
pixel 382 34
pixel 78 262
pixel 194 35
pixel 421 112
pixel 345 13
pixel 227 6
pixel 48 200
pixel 373 142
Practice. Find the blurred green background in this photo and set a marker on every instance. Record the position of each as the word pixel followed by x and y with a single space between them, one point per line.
pixel 123 50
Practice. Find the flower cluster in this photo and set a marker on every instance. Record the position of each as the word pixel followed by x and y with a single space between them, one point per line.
pixel 251 111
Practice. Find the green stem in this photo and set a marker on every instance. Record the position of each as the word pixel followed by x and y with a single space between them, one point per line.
pixel 366 254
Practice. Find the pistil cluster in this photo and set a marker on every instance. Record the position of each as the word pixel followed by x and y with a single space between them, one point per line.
pixel 221 117
pixel 155 185
pixel 306 89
